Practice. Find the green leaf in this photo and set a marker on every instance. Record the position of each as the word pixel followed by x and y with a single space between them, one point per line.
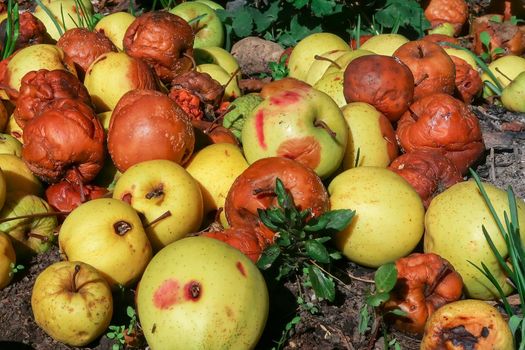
pixel 496 19
pixel 323 286
pixel 322 8
pixel 515 322
pixel 364 320
pixel 484 37
pixel 317 251
pixel 268 257
pixel 398 312
pixel 386 277
pixel 498 51
pixel 335 220
pixel 263 20
pixel 242 23
pixel 130 311
pixel 284 198
pixel 265 219
pixel 376 300
pixel 111 335
pixel 283 238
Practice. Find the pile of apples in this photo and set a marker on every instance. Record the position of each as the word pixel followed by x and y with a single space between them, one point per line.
pixel 123 141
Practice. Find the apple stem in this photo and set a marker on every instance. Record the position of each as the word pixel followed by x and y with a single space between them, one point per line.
pixel 264 191
pixel 191 59
pixel 413 114
pixel 504 75
pixel 160 218
pixel 321 58
pixel 421 80
pixel 231 78
pixel 32 216
pixel 322 124
pixel 37 236
pixel 73 280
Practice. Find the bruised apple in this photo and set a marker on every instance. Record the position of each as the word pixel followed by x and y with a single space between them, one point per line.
pixel 149 120
pixel 382 81
pixel 302 124
pixel 196 286
pixel 65 196
pixel 241 238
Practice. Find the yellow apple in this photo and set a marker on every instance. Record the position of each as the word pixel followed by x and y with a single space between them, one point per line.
pixel 107 234
pixel 215 168
pixel 332 85
pixel 18 177
pixel 371 134
pixel 467 57
pixel 72 302
pixel 155 187
pixel 321 64
pixel 12 128
pixel 232 90
pixel 345 59
pixel 505 69
pixel 105 119
pixel 217 55
pixel 3 188
pixel 384 44
pixel 7 258
pixel 388 223
pixel 303 54
pixel 114 26
pixel 10 145
pixel 65 13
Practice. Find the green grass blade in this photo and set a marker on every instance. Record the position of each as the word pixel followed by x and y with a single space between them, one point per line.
pixel 51 16
pixel 486 272
pixel 496 252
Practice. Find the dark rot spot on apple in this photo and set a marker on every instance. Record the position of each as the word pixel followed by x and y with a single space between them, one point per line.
pixel 166 295
pixel 156 192
pixel 240 267
pixel 192 291
pixel 285 98
pixel 305 150
pixel 122 227
pixel 259 128
pixel 126 197
pixel 460 337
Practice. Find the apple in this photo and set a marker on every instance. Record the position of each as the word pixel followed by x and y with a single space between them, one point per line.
pixel 513 95
pixel 371 134
pixel 114 26
pixel 302 124
pixel 108 175
pixel 112 75
pixel 18 177
pixel 453 230
pixel 201 293
pixel 10 145
pixel 332 85
pixel 303 54
pixel 466 56
pixel 33 58
pixel 217 55
pixel 3 189
pixel 208 30
pixel 4 116
pixel 156 187
pixel 505 69
pixel 444 28
pixel 105 120
pixel 13 129
pixel 107 234
pixel 30 235
pixel 211 4
pixel 72 302
pixel 232 90
pixel 344 60
pixel 65 12
pixel 384 44
pixel 375 193
pixel 239 110
pixel 215 168
pixel 7 259
pixel 321 64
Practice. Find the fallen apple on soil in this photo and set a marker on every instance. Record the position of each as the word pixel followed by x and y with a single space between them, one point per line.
pixel 7 259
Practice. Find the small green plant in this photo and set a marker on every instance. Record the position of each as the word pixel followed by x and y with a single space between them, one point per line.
pixel 15 268
pixel 487 53
pixel 84 18
pixel 118 333
pixel 278 70
pixel 12 29
pixel 509 229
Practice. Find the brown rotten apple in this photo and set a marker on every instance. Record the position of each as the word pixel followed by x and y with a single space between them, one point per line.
pixel 32 31
pixel 454 12
pixel 164 41
pixel 41 88
pixel 84 47
pixel 431 66
pixel 428 171
pixel 468 81
pixel 148 125
pixel 382 81
pixel 245 239
pixel 65 142
pixel 255 189
pixel 503 34
pixel 425 282
pixel 65 196
pixel 441 122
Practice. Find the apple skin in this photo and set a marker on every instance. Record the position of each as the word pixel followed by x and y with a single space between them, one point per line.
pixel 74 317
pixel 332 85
pixel 201 293
pixel 345 60
pixel 18 204
pixel 10 145
pixel 319 66
pixel 467 57
pixel 384 44
pixel 513 95
pixel 209 30
pixel 453 228
pixel 232 90
pixel 18 177
pixel 510 65
pixel 3 189
pixel 114 26
pixel 12 128
pixel 303 54
pixel 374 193
pixel 284 125
pixel 371 133
pixel 217 55
pixel 156 186
pixel 215 168
pixel 58 7
pixel 211 4
pixel 107 234
pixel 7 257
pixel 34 58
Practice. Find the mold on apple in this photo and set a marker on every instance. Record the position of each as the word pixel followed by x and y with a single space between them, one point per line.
pixel 122 227
pixel 193 291
pixel 166 295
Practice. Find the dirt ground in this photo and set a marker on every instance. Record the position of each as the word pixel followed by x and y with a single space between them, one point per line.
pixel 336 324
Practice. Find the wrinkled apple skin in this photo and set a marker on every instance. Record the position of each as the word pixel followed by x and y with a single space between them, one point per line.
pixel 285 125
pixel 156 186
pixel 107 234
pixel 18 204
pixel 453 230
pixel 7 257
pixel 200 293
pixel 375 193
pixel 72 317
